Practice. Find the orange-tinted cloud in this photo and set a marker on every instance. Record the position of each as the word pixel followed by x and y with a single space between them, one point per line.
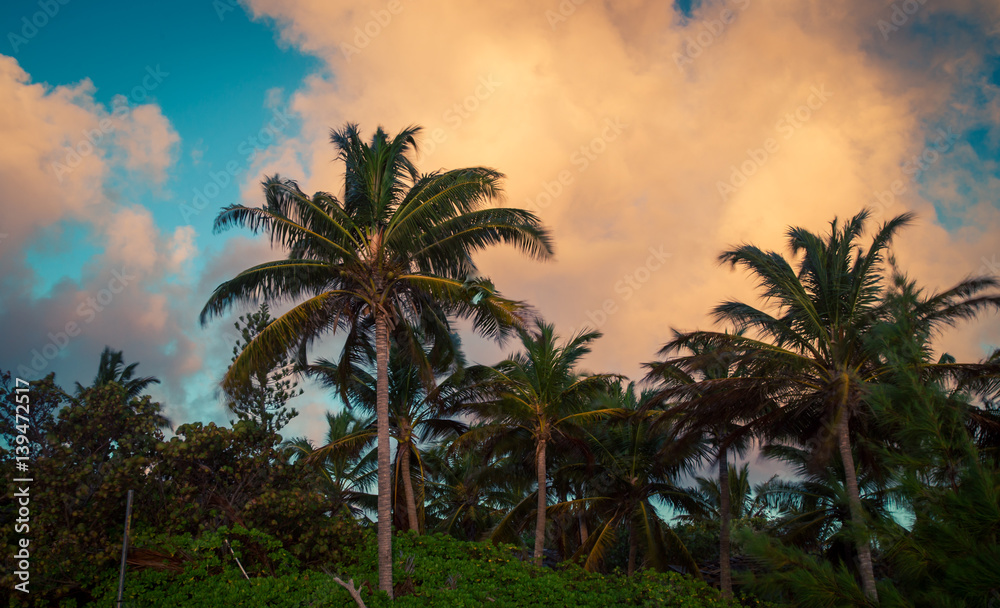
pixel 649 142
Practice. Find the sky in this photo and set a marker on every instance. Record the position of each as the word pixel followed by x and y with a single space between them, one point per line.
pixel 648 136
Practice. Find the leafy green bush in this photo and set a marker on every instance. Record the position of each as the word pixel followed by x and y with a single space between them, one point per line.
pixel 429 571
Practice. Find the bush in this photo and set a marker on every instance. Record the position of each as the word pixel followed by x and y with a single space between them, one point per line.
pixel 428 570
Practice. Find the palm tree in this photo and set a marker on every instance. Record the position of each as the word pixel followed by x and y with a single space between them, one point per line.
pixel 810 356
pixel 416 415
pixel 540 398
pixel 469 492
pixel 636 464
pixel 903 346
pixel 394 253
pixel 745 501
pixel 346 462
pixel 741 505
pixel 700 362
pixel 814 509
pixel 112 369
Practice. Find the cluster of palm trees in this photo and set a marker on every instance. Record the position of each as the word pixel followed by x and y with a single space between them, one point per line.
pixel 481 452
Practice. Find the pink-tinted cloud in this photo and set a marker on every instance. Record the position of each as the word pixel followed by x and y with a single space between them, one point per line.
pixel 147 141
pixel 60 149
pixel 40 126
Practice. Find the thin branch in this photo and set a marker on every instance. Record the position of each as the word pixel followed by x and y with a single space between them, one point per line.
pixel 349 585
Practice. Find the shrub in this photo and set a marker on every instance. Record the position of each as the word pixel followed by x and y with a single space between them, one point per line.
pixel 429 571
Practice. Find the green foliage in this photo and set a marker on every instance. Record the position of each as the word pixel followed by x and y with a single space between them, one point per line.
pixel 345 466
pixel 264 398
pixel 468 493
pixel 203 480
pixel 702 537
pixel 152 589
pixel 537 399
pixel 629 477
pixel 100 445
pixel 418 418
pixel 951 554
pixel 233 516
pixel 112 368
pixel 429 571
pixel 799 579
pixel 44 401
pixel 393 255
pixel 216 474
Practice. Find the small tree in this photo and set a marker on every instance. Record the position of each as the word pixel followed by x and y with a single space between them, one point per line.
pixel 37 419
pixel 265 398
pixel 98 446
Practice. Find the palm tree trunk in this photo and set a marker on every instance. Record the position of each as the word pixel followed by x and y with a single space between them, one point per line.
pixel 633 549
pixel 384 472
pixel 857 514
pixel 584 532
pixel 542 502
pixel 725 576
pixel 411 500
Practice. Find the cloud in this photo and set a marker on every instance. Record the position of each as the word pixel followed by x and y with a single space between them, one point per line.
pixel 39 124
pixel 60 150
pixel 147 142
pixel 649 141
pixel 181 248
pixel 739 121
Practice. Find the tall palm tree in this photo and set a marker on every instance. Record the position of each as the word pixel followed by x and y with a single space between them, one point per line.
pixel 540 398
pixel 394 252
pixel 814 508
pixel 112 369
pixel 693 363
pixel 809 355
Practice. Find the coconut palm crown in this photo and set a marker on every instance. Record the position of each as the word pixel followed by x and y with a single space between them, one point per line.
pixel 809 354
pixel 394 252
